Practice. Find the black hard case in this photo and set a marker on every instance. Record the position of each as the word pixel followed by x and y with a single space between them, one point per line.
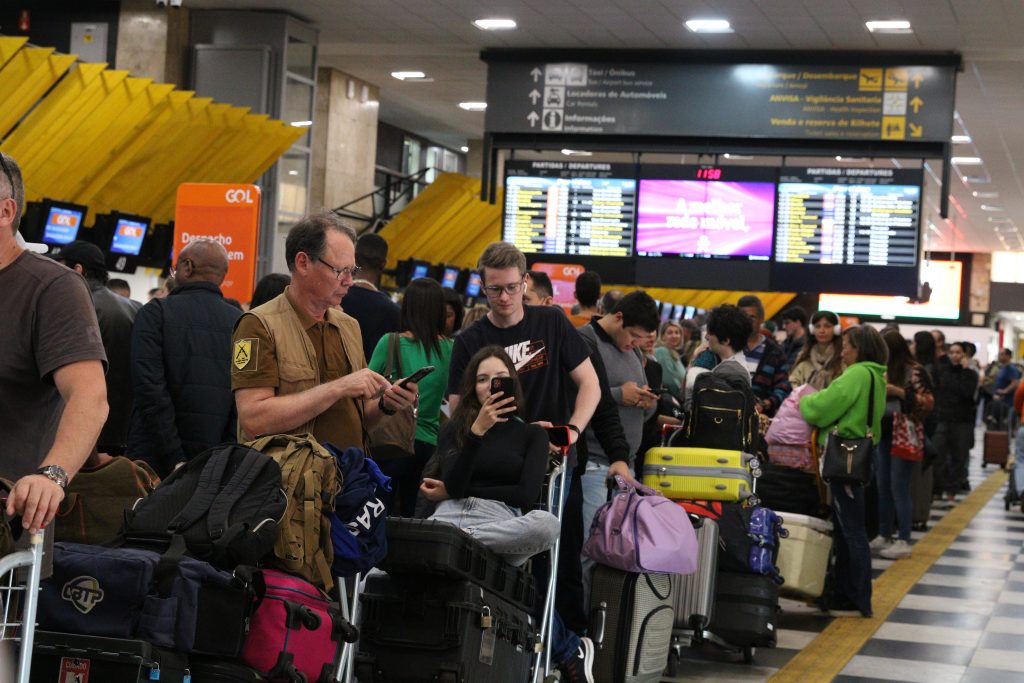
pixel 423 546
pixel 205 670
pixel 110 660
pixel 428 629
pixel 746 610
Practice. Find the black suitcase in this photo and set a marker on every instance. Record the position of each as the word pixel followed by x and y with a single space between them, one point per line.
pixel 424 546
pixel 59 657
pixel 633 629
pixel 428 629
pixel 219 671
pixel 746 610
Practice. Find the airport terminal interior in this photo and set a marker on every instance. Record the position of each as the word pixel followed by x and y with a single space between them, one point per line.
pixel 854 156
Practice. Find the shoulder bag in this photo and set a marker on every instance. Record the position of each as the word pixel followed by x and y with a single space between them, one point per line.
pixel 850 460
pixel 393 436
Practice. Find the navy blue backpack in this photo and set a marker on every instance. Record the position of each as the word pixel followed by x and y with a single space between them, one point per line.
pixel 358 523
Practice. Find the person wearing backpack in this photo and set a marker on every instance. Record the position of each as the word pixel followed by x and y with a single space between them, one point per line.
pixel 727 331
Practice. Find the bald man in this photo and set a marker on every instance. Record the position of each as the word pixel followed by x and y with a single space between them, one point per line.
pixel 181 363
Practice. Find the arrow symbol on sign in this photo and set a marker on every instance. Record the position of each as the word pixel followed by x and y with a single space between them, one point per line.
pixel 536 73
pixel 917 79
pixel 916 130
pixel 534 96
pixel 916 103
pixel 532 117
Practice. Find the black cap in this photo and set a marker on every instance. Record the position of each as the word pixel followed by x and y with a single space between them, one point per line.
pixel 85 253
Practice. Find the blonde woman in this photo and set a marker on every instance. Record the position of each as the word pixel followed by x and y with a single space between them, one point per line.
pixel 666 352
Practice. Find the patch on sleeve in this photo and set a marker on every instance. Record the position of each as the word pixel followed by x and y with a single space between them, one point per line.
pixel 244 354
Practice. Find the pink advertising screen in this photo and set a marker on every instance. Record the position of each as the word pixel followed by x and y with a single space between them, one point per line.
pixel 705 218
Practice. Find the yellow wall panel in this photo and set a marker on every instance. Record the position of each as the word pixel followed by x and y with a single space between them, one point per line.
pixel 28 74
pixel 9 46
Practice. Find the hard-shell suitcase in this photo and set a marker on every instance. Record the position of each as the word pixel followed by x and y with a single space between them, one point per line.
pixel 803 556
pixel 219 671
pixel 699 473
pixel 60 657
pixel 746 610
pixel 921 483
pixel 694 594
pixel 997 448
pixel 631 622
pixel 425 629
pixel 425 546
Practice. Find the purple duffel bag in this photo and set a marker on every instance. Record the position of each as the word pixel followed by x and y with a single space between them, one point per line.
pixel 639 530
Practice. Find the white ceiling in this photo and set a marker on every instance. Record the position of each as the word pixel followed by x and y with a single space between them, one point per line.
pixel 372 38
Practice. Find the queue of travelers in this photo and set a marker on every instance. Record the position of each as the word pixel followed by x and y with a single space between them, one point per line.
pixel 323 350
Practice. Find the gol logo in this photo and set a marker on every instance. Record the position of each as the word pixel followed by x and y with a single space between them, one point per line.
pixel 238 196
pixel 83 592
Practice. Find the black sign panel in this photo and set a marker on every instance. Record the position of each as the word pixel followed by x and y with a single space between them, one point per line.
pixel 861 103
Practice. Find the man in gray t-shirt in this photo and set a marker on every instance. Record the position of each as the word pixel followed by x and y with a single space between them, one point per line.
pixel 53 400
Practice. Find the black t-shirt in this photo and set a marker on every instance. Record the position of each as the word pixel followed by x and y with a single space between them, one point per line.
pixel 544 347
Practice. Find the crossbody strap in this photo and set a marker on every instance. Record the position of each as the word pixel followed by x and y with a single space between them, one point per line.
pixel 871 404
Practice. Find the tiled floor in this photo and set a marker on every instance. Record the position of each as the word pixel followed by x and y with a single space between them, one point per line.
pixel 962 622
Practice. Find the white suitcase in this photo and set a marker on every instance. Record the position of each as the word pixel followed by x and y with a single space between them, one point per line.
pixel 803 556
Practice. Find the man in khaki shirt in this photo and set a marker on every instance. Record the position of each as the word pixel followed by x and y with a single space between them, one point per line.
pixel 297 361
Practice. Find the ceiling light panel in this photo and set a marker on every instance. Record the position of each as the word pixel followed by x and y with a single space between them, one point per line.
pixel 709 26
pixel 966 161
pixel 473 106
pixel 495 24
pixel 408 75
pixel 889 26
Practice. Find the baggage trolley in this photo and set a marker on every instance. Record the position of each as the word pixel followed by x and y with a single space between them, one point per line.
pixel 1014 461
pixel 555 498
pixel 345 667
pixel 23 599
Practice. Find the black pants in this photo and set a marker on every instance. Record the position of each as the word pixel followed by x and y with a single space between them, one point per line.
pixel 405 473
pixel 569 588
pixel 954 441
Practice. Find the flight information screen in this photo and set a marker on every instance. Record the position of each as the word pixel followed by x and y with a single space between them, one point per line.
pixel 565 207
pixel 852 216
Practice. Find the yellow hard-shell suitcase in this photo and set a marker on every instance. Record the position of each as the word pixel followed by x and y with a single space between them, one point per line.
pixel 699 473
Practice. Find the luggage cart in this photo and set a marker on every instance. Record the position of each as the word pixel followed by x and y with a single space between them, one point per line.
pixel 23 598
pixel 1012 492
pixel 343 672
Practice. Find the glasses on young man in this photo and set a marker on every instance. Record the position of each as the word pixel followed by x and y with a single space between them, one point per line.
pixel 340 273
pixel 495 291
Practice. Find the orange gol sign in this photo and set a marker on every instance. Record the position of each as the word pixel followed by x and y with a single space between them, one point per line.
pixel 229 214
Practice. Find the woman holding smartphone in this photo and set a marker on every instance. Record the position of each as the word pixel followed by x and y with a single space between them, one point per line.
pixel 493 468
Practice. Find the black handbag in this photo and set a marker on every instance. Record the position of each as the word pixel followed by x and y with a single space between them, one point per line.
pixel 851 460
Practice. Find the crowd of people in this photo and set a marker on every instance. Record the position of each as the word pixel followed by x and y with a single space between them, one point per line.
pixel 323 350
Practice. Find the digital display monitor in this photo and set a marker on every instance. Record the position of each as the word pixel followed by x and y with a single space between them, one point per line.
pixel 62 224
pixel 451 275
pixel 677 312
pixel 577 208
pixel 848 229
pixel 706 212
pixel 420 270
pixel 474 285
pixel 128 236
pixel 944 278
pixel 689 312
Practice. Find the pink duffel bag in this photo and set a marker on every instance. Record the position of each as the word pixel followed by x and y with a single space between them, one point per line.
pixel 295 630
pixel 789 437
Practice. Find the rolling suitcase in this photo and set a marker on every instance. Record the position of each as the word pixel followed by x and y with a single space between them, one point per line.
pixel 699 473
pixel 216 671
pixel 424 629
pixel 66 657
pixel 631 621
pixel 694 594
pixel 746 610
pixel 997 448
pixel 921 482
pixel 803 556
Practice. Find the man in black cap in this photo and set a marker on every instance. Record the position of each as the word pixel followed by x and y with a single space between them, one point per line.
pixel 115 314
pixel 376 313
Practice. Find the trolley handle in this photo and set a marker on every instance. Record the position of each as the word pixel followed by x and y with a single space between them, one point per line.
pixel 560 437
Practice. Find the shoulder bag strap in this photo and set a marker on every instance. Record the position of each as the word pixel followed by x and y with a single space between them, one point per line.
pixel 245 474
pixel 206 493
pixel 871 404
pixel 394 356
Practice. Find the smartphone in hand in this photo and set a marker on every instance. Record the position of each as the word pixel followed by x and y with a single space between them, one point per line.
pixel 559 436
pixel 506 385
pixel 415 377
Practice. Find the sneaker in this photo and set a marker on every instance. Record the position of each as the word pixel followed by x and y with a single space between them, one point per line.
pixel 879 543
pixel 897 551
pixel 579 669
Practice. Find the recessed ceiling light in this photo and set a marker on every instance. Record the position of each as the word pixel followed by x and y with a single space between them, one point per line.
pixel 889 26
pixel 464 149
pixel 991 207
pixel 473 106
pixel 738 157
pixel 961 139
pixel 709 26
pixel 302 124
pixel 985 195
pixel 408 75
pixel 577 153
pixel 849 159
pixel 966 161
pixel 495 24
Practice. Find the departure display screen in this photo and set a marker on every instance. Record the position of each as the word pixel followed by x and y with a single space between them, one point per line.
pixel 450 276
pixel 580 208
pixel 62 225
pixel 128 236
pixel 474 284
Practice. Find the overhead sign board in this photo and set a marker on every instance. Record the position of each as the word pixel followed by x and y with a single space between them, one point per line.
pixel 901 102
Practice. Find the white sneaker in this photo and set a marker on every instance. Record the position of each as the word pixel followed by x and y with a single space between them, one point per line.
pixel 897 551
pixel 879 543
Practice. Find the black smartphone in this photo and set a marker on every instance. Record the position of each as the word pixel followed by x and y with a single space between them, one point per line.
pixel 416 376
pixel 506 385
pixel 558 436
pixel 658 391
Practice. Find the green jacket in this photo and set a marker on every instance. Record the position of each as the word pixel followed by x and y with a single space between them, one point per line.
pixel 845 402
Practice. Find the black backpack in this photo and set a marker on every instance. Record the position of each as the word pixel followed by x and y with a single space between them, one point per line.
pixel 722 415
pixel 226 504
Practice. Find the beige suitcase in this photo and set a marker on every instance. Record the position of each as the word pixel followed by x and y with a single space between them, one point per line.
pixel 803 556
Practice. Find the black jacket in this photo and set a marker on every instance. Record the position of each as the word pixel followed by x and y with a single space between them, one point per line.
pixel 954 398
pixel 376 313
pixel 606 424
pixel 181 373
pixel 115 315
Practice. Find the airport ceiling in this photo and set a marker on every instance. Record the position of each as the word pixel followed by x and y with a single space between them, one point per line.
pixel 372 38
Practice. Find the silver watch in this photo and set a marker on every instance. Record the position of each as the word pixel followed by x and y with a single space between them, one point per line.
pixel 56 474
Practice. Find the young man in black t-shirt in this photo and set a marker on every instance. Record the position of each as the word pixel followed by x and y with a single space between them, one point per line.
pixel 548 353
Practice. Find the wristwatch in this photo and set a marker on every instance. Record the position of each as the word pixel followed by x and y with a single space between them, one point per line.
pixel 56 474
pixel 575 429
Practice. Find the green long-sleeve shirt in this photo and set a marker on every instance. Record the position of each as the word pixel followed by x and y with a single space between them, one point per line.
pixel 845 402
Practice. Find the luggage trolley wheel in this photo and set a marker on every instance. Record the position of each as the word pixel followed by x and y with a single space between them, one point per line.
pixel 672 666
pixel 748 654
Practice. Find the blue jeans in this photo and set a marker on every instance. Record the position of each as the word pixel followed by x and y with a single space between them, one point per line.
pixel 595 494
pixel 505 530
pixel 893 478
pixel 853 556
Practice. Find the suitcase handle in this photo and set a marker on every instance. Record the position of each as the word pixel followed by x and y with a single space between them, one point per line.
pixel 598 617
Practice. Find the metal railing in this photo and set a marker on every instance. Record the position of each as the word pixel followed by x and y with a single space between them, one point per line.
pixel 394 191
